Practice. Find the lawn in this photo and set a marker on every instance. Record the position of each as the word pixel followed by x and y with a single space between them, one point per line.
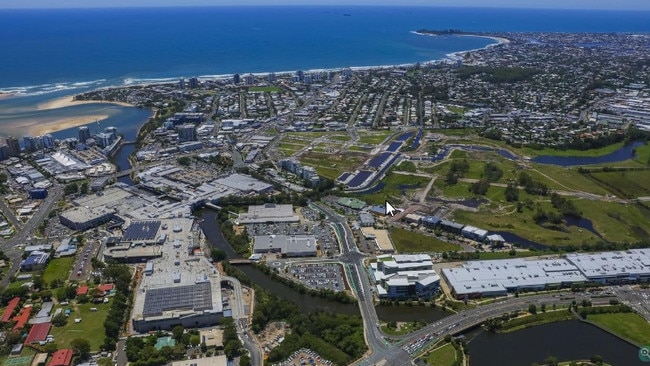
pixel 396 186
pixel 58 268
pixel 506 255
pixel 91 326
pixel 442 356
pixel 406 241
pixel 628 325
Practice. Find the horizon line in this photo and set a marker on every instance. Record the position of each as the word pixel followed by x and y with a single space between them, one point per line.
pixel 160 6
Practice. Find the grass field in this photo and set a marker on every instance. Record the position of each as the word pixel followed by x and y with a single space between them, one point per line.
pixel 628 325
pixel 373 137
pixel 506 255
pixel 413 242
pixel 537 319
pixel 626 184
pixel 332 165
pixel 395 186
pixel 617 222
pixel 443 356
pixel 91 326
pixel 58 268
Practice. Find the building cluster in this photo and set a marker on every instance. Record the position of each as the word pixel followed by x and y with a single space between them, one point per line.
pixel 306 173
pixel 402 276
pixel 499 277
pixel 467 231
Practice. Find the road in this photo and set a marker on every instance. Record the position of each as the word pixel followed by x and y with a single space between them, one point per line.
pixel 241 322
pixel 396 354
pixel 9 214
pixel 10 247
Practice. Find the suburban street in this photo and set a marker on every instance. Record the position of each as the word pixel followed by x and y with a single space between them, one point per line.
pixel 10 247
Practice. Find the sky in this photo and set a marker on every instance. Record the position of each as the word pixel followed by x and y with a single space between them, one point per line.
pixel 547 4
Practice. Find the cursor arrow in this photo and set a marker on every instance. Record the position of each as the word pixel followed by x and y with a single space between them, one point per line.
pixel 390 210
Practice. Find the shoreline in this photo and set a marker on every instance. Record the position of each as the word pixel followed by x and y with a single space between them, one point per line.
pixel 68 101
pixel 129 82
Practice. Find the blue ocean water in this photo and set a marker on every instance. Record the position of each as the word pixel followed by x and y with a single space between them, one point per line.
pixel 68 48
pixel 52 53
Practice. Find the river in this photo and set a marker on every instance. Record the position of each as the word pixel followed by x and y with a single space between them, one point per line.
pixel 306 302
pixel 622 154
pixel 568 340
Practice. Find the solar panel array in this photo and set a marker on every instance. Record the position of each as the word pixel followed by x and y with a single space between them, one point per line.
pixel 394 146
pixel 380 159
pixel 141 230
pixel 195 297
pixel 359 178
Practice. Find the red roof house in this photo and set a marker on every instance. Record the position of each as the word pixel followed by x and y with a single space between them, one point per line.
pixel 107 287
pixel 62 357
pixel 22 317
pixel 9 311
pixel 38 333
pixel 82 290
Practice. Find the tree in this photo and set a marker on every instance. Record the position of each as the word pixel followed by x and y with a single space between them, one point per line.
pixel 60 320
pixel 543 308
pixel 177 332
pixel 71 188
pixel 218 255
pixel 83 188
pixel 512 194
pixel 244 360
pixel 597 359
pixel 184 160
pixel 81 347
pixel 532 308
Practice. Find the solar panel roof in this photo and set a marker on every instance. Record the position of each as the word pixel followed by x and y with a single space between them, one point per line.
pixel 141 230
pixel 195 297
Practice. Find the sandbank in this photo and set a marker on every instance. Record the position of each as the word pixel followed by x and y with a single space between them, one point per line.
pixel 69 101
pixel 38 128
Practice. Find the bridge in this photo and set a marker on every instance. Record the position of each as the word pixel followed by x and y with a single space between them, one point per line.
pixel 123 173
pixel 239 261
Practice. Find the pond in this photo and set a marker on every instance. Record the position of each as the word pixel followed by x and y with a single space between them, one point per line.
pixel 568 340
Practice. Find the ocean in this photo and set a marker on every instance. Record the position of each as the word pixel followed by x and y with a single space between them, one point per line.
pixel 51 53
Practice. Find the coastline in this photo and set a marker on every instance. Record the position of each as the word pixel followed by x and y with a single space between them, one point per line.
pixel 39 128
pixel 68 101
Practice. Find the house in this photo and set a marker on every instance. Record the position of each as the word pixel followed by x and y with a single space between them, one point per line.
pixel 9 310
pixel 38 333
pixel 82 290
pixel 62 357
pixel 22 317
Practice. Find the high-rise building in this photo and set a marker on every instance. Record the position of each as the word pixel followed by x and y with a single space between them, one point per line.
pixel 30 143
pixel 249 79
pixel 48 141
pixel 84 134
pixel 186 132
pixel 4 152
pixel 236 78
pixel 14 146
pixel 112 131
pixel 181 84
pixel 194 83
pixel 272 77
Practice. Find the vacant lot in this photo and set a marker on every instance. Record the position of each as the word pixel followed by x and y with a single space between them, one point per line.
pixel 407 241
pixel 58 269
pixel 91 326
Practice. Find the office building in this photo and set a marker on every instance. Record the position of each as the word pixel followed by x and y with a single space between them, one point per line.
pixel 48 141
pixel 14 146
pixel 83 133
pixel 186 132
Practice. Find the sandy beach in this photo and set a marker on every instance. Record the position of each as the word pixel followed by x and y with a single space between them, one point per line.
pixel 69 101
pixel 38 128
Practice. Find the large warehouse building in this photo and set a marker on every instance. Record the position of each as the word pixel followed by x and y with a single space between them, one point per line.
pixel 268 213
pixel 498 277
pixel 287 245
